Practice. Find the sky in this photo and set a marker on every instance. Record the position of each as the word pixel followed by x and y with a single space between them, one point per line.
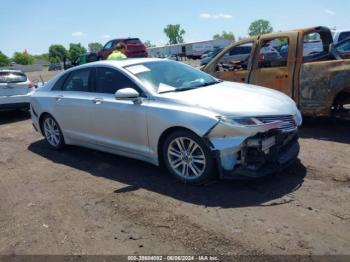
pixel 36 24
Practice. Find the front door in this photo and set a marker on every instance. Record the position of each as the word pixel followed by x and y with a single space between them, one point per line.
pixel 119 125
pixel 274 62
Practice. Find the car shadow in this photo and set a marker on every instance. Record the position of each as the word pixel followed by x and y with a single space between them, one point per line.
pixel 137 174
pixel 335 130
pixel 12 116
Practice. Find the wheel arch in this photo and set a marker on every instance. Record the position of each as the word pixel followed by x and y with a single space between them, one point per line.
pixel 41 117
pixel 163 137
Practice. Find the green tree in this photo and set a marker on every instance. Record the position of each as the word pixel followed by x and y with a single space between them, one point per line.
pixel 22 58
pixel 225 35
pixel 260 27
pixel 57 53
pixel 95 47
pixel 75 50
pixel 148 44
pixel 4 60
pixel 174 33
pixel 44 57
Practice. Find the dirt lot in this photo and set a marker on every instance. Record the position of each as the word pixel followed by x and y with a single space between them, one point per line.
pixel 81 201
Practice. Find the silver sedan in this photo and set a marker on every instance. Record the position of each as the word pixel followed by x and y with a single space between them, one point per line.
pixel 168 113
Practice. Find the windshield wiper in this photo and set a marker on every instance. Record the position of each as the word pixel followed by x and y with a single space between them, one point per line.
pixel 179 90
pixel 192 87
pixel 209 83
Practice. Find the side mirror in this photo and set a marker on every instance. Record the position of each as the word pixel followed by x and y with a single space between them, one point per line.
pixel 127 94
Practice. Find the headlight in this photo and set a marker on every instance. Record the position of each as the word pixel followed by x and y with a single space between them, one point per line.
pixel 242 121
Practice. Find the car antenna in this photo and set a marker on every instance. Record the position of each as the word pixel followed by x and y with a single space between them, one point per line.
pixel 42 80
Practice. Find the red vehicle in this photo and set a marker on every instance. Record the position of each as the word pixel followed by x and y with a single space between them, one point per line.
pixel 134 48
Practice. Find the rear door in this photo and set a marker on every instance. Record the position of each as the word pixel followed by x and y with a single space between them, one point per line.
pixel 274 62
pixel 73 105
pixel 13 83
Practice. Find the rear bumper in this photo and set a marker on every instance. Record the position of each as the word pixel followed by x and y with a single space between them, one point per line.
pixel 14 106
pixel 16 101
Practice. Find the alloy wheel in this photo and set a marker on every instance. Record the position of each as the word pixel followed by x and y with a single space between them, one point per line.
pixel 186 158
pixel 52 132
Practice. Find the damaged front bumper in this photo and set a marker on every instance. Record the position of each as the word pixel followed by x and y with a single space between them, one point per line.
pixel 253 152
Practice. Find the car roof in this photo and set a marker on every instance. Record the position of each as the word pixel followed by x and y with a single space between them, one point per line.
pixel 340 30
pixel 120 63
pixel 11 71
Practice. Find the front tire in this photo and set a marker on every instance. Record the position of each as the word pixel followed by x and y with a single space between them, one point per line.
pixel 188 158
pixel 52 132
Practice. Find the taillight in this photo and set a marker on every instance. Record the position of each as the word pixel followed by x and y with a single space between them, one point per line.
pixel 31 84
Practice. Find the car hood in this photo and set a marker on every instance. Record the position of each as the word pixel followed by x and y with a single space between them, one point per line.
pixel 235 99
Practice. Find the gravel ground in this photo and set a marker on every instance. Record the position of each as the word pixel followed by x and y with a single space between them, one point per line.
pixel 80 201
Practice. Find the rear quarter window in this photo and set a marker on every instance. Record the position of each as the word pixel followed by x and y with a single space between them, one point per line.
pixel 59 83
pixel 12 77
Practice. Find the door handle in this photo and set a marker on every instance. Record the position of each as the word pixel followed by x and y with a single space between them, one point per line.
pixel 97 101
pixel 59 98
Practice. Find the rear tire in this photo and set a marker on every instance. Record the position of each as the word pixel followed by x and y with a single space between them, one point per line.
pixel 188 158
pixel 52 132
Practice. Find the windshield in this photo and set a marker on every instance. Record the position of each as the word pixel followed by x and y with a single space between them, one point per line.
pixel 12 77
pixel 132 41
pixel 167 76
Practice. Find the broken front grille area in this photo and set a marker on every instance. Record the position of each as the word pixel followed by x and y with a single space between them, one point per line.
pixel 288 122
pixel 254 158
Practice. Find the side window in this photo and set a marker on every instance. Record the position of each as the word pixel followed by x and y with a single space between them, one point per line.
pixel 108 45
pixel 343 36
pixel 313 45
pixel 78 81
pixel 274 53
pixel 236 58
pixel 108 81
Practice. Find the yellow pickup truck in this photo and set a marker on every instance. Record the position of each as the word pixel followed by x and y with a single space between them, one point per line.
pixel 302 63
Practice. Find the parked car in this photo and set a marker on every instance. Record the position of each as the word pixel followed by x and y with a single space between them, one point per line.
pixel 166 112
pixel 15 89
pixel 340 35
pixel 205 54
pixel 205 59
pixel 317 79
pixel 55 67
pixel 80 60
pixel 134 48
pixel 343 48
pixel 172 57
